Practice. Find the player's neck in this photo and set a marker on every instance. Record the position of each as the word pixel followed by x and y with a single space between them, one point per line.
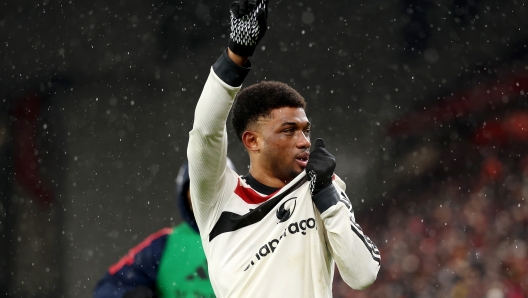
pixel 266 179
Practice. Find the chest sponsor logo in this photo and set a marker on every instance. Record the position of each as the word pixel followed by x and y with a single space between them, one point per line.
pixel 286 209
pixel 301 227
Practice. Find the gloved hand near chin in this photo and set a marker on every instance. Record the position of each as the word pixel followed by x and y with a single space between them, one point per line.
pixel 248 25
pixel 320 169
pixel 139 292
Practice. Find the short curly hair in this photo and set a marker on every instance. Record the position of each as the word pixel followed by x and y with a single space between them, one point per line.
pixel 259 100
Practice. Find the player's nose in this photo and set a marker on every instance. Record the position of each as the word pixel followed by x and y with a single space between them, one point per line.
pixel 304 142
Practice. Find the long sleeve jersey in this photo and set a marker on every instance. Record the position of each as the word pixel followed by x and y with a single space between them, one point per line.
pixel 267 245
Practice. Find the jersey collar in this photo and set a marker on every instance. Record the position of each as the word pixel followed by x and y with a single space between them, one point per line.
pixel 261 188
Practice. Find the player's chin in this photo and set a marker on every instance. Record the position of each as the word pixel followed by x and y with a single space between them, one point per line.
pixel 297 169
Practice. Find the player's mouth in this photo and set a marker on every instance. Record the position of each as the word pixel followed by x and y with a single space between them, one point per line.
pixel 302 159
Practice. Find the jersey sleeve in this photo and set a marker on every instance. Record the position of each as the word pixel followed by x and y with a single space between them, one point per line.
pixel 356 256
pixel 207 149
pixel 138 268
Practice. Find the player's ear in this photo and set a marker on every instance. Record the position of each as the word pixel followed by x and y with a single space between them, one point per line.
pixel 250 139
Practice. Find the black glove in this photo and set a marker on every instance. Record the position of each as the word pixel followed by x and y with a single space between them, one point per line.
pixel 139 292
pixel 320 167
pixel 248 25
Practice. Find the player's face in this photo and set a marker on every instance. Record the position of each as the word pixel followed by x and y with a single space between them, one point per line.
pixel 286 136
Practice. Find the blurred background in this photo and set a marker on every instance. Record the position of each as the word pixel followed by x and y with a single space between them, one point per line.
pixel 422 102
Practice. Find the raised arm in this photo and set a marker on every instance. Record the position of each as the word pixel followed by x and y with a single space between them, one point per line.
pixel 356 256
pixel 207 149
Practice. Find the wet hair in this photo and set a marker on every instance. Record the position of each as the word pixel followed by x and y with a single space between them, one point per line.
pixel 259 100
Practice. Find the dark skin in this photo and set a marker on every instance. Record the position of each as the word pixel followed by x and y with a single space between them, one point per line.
pixel 240 60
pixel 189 198
pixel 278 145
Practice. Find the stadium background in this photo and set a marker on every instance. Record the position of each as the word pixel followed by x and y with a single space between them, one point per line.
pixel 423 104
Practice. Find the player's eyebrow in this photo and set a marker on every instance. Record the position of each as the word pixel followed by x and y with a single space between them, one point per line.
pixel 308 124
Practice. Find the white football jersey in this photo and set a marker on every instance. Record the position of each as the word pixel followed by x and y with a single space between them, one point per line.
pixel 261 244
